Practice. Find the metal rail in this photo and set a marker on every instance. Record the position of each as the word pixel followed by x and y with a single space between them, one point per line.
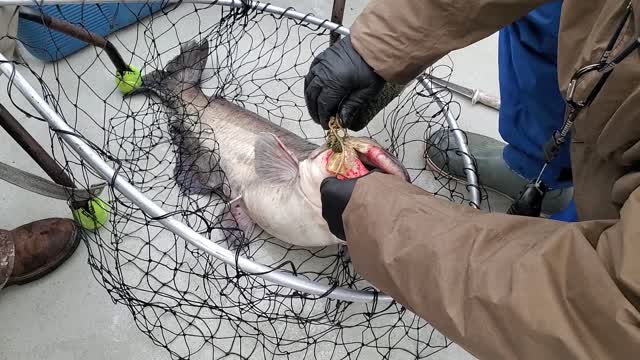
pixel 153 210
pixel 469 166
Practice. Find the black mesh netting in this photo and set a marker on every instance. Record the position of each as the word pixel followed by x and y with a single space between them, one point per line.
pixel 185 300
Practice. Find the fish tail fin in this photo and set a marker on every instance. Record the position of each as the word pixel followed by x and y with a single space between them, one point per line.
pixel 182 72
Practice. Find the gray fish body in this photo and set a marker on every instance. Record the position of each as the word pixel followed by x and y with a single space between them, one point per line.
pixel 274 175
pixel 231 132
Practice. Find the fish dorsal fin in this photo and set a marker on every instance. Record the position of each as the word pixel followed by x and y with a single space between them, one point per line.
pixel 274 161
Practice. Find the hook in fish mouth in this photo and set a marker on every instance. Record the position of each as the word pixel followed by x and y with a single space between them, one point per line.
pixel 370 155
pixel 373 155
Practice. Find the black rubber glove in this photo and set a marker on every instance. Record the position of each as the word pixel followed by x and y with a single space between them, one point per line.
pixel 340 80
pixel 335 195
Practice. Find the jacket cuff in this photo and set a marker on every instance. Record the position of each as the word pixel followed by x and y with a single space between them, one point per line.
pixel 379 54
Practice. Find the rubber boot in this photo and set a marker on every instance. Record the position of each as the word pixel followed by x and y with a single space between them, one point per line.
pixel 443 155
pixel 39 248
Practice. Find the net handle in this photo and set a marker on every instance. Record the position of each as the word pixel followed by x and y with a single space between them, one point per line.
pixel 75 141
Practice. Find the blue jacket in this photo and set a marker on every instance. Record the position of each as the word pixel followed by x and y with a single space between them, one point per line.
pixel 532 107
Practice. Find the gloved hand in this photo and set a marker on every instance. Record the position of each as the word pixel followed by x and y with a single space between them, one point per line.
pixel 340 80
pixel 335 195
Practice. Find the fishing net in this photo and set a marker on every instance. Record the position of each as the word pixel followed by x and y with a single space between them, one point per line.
pixel 183 298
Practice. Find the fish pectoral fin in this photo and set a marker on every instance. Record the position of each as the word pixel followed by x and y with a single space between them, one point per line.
pixel 237 225
pixel 274 161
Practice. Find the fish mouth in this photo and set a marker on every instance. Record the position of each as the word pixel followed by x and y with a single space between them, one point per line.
pixel 374 157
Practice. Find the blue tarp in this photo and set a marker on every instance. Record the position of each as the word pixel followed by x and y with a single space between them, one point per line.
pixel 102 19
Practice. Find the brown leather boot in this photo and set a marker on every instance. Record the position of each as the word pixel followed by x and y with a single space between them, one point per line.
pixel 40 247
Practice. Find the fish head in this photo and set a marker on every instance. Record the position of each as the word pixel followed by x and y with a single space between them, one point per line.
pixel 370 156
pixel 375 156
